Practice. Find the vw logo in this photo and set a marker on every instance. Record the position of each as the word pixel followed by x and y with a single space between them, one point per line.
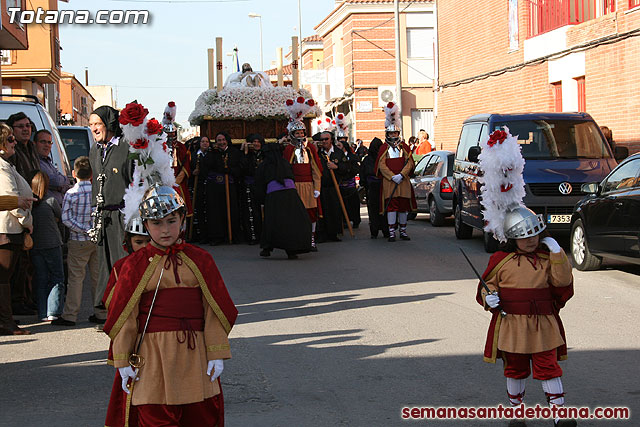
pixel 565 188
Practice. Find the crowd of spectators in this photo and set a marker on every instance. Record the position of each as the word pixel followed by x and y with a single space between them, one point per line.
pixel 35 207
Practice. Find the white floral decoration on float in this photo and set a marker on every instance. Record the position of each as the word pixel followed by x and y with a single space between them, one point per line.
pixel 246 103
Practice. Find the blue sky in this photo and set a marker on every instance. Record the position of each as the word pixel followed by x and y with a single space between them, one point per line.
pixel 166 59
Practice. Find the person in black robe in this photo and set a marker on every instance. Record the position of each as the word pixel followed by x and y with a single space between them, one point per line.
pixel 372 183
pixel 332 159
pixel 286 221
pixel 224 160
pixel 199 160
pixel 348 188
pixel 249 206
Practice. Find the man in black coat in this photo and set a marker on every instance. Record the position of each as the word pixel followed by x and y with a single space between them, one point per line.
pixel 109 157
pixel 333 160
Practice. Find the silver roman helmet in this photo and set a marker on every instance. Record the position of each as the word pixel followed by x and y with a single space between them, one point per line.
pixel 522 222
pixel 135 226
pixel 160 201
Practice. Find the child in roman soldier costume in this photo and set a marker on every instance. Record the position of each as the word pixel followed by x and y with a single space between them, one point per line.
pixel 394 166
pixel 181 162
pixel 170 313
pixel 529 280
pixel 304 160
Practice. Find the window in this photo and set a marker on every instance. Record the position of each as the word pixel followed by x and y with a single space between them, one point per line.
pixel 625 177
pixel 469 137
pixel 56 53
pixel 420 64
pixel 582 99
pixel 434 166
pixel 422 119
pixel 421 165
pixel 556 89
pixel 609 6
pixel 547 15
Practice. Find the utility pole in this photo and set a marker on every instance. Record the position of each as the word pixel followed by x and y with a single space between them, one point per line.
pixel 396 14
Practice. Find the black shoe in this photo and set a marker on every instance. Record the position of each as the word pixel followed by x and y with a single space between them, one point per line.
pixel 265 253
pixel 291 255
pixel 391 239
pixel 404 237
pixel 356 225
pixel 62 322
pixel 374 236
pixel 22 310
pixel 94 319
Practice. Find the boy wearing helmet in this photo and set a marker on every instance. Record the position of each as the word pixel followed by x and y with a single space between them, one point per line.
pixel 529 279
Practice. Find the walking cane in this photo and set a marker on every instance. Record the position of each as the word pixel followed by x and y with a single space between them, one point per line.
pixel 226 191
pixel 337 187
pixel 195 195
pixel 396 186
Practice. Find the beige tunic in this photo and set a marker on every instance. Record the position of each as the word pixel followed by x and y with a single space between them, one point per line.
pixel 306 189
pixel 521 333
pixel 172 373
pixel 404 189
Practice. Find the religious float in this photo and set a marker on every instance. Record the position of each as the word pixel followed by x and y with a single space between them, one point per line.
pixel 248 103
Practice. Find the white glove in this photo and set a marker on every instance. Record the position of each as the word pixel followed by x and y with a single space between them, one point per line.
pixel 125 374
pixel 492 300
pixel 551 243
pixel 316 194
pixel 397 178
pixel 217 366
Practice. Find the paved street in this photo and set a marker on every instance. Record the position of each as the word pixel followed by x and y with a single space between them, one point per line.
pixel 348 336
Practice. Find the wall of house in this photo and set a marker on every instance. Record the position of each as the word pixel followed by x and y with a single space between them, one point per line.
pixel 471 44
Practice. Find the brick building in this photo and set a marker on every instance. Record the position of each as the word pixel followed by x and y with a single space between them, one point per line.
pixel 76 103
pixel 553 55
pixel 359 58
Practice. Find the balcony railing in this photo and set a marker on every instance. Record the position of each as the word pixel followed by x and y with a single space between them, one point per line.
pixel 547 15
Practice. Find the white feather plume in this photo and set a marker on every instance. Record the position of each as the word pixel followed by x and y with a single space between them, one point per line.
pixel 502 183
pixel 152 163
pixel 169 114
pixel 341 123
pixel 391 115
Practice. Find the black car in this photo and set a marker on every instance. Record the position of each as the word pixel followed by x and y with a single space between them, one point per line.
pixel 607 222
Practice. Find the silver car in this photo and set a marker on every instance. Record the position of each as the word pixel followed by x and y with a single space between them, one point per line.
pixel 432 183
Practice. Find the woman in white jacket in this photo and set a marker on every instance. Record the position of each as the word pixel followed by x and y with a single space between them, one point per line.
pixel 14 225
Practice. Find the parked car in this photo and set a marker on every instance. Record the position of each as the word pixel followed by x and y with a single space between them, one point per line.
pixel 77 141
pixel 34 110
pixel 606 223
pixel 432 184
pixel 562 151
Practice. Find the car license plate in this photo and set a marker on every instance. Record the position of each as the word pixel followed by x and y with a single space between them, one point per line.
pixel 558 219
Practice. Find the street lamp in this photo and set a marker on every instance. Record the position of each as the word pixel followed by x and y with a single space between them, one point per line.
pixel 255 15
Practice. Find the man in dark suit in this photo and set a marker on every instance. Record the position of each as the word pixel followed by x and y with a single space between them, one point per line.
pixel 108 157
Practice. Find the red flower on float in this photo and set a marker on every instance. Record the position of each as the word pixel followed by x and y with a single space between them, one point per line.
pixel 390 105
pixel 154 127
pixel 311 102
pixel 289 102
pixel 497 137
pixel 133 114
pixel 300 100
pixel 172 104
pixel 140 144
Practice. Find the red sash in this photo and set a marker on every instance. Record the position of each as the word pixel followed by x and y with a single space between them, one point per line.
pixel 302 172
pixel 175 309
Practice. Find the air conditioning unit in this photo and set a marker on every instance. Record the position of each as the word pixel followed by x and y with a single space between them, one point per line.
pixel 386 94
